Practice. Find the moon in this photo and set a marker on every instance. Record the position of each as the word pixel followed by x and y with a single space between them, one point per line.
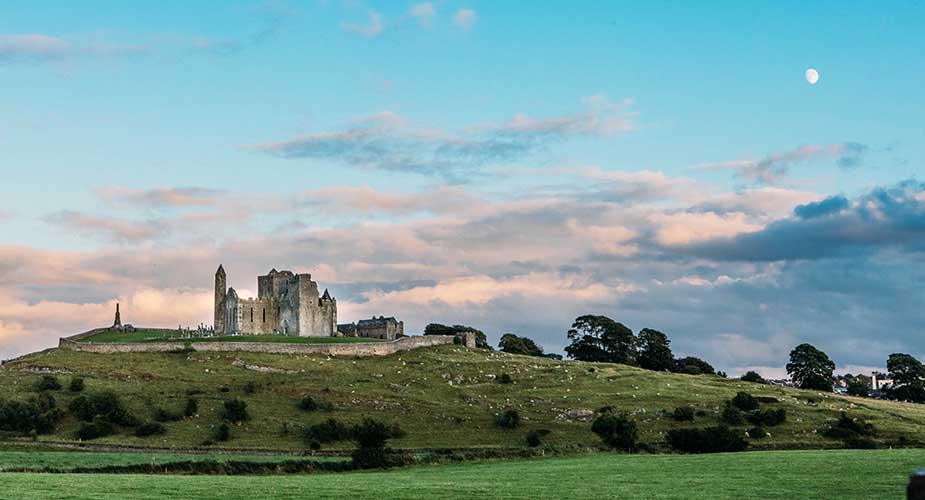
pixel 812 76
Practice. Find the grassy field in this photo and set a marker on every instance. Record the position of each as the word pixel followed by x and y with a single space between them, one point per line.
pixel 161 335
pixel 443 397
pixel 843 475
pixel 70 459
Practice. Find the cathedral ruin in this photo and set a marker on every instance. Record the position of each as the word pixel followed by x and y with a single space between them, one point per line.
pixel 286 303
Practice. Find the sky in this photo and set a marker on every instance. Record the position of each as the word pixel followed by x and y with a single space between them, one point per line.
pixel 505 165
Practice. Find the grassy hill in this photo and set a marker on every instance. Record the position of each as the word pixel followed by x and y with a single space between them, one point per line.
pixel 443 397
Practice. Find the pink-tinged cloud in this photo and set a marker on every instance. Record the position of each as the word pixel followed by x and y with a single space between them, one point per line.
pixel 160 197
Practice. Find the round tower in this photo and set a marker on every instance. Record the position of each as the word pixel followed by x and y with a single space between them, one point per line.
pixel 218 320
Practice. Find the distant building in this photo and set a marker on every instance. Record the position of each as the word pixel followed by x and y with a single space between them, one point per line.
pixel 374 328
pixel 880 383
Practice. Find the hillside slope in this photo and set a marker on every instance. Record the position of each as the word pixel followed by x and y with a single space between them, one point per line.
pixel 443 397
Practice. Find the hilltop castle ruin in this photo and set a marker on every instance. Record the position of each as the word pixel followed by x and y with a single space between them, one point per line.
pixel 286 303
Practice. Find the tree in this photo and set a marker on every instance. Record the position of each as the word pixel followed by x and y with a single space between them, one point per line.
pixel 810 368
pixel 753 376
pixel 370 437
pixel 907 374
pixel 481 340
pixel 858 386
pixel 654 353
pixel 513 344
pixel 616 431
pixel 599 338
pixel 693 366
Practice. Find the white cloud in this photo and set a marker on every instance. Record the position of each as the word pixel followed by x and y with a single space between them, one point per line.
pixel 465 18
pixel 373 27
pixel 424 12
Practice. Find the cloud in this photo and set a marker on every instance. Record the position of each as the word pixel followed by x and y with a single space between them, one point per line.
pixel 828 206
pixel 373 27
pixel 424 12
pixel 114 229
pixel 465 18
pixel 891 217
pixel 388 141
pixel 159 197
pixel 37 47
pixel 774 167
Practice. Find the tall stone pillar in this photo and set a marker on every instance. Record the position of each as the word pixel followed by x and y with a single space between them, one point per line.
pixel 220 291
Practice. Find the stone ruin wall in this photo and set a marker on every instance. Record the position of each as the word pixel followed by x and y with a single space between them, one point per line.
pixel 363 349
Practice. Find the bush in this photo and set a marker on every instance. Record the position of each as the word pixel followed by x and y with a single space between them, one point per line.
pixel 683 414
pixel 757 432
pixel 616 431
pixel 76 385
pixel 191 408
pixel 535 437
pixel 308 403
pixel 150 429
pixel 709 440
pixel 744 401
pixel 753 376
pixel 104 406
pixel 96 429
pixel 235 411
pixel 371 436
pixel 47 383
pixel 37 415
pixel 250 387
pixel 222 433
pixel 731 415
pixel 326 432
pixel 768 418
pixel 505 378
pixel 508 419
pixel 162 415
pixel 848 429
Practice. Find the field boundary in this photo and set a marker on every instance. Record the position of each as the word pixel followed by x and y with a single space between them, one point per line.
pixel 359 349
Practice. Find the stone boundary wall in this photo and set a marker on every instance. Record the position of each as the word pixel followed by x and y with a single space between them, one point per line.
pixel 352 349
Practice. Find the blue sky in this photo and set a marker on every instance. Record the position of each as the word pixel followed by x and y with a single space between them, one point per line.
pixel 617 151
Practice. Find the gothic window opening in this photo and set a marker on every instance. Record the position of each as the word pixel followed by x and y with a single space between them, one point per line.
pixel 264 315
pixel 252 315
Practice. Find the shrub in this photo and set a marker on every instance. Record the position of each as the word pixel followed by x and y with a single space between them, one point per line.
pixel 308 403
pixel 149 429
pixel 76 385
pixel 847 428
pixel 744 401
pixel 683 414
pixel 37 415
pixel 47 383
pixel 768 418
pixel 162 415
pixel 96 429
pixel 731 415
pixel 709 440
pixel 104 405
pixel 371 436
pixel 235 411
pixel 535 437
pixel 616 431
pixel 191 408
pixel 508 419
pixel 250 387
pixel 505 378
pixel 326 432
pixel 757 432
pixel 222 432
pixel 753 376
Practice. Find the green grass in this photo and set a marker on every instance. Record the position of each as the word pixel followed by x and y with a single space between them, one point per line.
pixel 161 335
pixel 845 475
pixel 443 397
pixel 69 459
